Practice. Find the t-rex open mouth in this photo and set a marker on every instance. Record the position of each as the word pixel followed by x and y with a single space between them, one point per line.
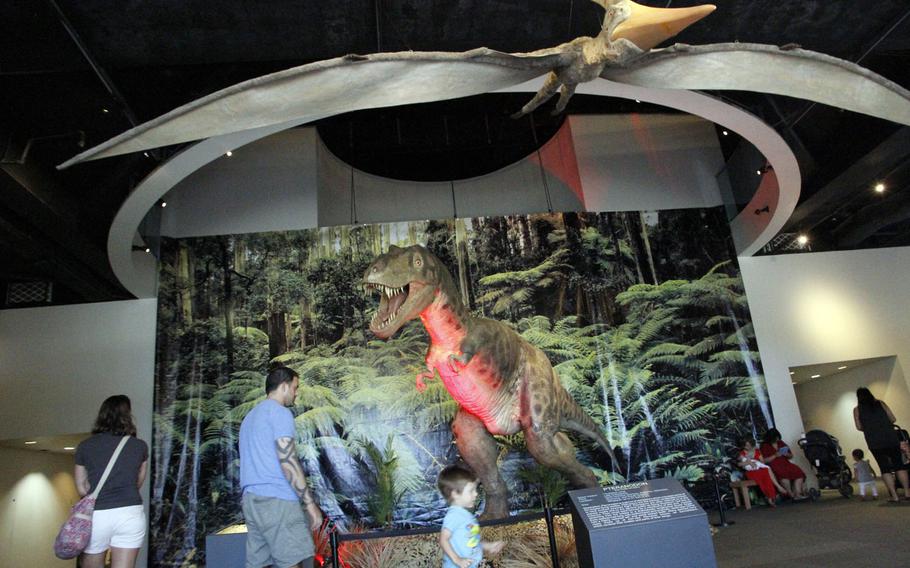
pixel 391 301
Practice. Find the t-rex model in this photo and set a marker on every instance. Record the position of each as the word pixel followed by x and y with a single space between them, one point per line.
pixel 502 383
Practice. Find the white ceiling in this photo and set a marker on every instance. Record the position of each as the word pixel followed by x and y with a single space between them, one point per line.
pixel 55 444
pixel 805 373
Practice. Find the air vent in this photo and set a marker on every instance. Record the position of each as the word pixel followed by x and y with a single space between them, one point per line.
pixel 29 293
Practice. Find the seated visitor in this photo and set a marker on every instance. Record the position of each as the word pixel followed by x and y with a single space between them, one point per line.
pixel 751 461
pixel 777 454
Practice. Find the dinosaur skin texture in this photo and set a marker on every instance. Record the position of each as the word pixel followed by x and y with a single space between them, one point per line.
pixel 502 383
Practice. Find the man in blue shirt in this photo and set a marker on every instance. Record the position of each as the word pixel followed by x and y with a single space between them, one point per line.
pixel 273 481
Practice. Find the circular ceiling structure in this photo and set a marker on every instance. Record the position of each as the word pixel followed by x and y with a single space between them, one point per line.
pixel 779 190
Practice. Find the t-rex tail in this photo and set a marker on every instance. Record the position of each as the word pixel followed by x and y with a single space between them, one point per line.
pixel 574 418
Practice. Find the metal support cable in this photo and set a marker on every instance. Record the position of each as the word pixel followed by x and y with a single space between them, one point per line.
pixel 869 50
pixel 96 67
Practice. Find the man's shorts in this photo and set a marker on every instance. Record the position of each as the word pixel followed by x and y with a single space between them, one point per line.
pixel 278 532
pixel 122 527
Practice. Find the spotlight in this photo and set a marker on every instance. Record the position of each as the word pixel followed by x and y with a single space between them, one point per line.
pixel 726 133
pixel 758 172
pixel 842 368
pixel 802 240
pixel 105 111
pixel 638 101
pixel 880 188
pixel 69 448
pixel 164 203
pixel 814 376
pixel 31 443
pixel 228 153
pixel 148 250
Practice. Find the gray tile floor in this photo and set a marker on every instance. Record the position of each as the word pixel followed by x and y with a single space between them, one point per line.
pixel 832 532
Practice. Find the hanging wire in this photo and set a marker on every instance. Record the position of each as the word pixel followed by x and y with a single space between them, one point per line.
pixel 454 206
pixel 543 172
pixel 858 60
pixel 546 184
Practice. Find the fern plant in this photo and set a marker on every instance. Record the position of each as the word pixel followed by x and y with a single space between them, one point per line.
pixel 386 495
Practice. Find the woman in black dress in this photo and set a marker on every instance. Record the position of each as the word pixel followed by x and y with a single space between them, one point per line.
pixel 876 421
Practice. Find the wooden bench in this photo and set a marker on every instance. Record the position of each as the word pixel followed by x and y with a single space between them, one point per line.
pixel 743 488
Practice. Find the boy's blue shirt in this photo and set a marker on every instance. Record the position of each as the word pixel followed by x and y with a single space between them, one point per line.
pixel 465 538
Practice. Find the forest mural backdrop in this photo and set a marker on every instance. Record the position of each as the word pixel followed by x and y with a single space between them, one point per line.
pixel 643 315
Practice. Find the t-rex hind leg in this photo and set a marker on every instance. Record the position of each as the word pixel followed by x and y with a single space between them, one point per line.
pixel 557 452
pixel 478 448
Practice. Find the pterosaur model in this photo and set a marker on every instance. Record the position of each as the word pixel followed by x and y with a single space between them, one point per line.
pixel 623 52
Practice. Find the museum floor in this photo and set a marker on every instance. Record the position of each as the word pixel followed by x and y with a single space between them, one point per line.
pixel 830 533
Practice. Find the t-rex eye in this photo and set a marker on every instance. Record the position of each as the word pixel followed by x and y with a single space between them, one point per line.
pixel 418 262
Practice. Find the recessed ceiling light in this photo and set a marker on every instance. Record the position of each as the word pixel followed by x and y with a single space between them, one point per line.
pixel 726 133
pixel 802 239
pixel 69 448
pixel 638 101
pixel 148 250
pixel 228 153
pixel 758 172
pixel 164 203
pixel 814 376
pixel 842 368
pixel 105 111
pixel 791 372
pixel 880 188
pixel 31 443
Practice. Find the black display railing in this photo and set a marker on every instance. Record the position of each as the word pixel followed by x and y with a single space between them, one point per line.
pixel 548 514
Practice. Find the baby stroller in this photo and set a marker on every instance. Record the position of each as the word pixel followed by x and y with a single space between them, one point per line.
pixel 824 453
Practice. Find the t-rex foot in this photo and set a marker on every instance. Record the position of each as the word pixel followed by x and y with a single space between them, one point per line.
pixel 495 508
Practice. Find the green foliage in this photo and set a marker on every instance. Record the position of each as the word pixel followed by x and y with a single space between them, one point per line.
pixel 386 493
pixel 549 482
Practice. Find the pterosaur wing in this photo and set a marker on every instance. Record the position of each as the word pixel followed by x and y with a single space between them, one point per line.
pixel 329 87
pixel 768 69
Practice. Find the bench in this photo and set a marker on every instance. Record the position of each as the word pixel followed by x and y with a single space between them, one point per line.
pixel 742 487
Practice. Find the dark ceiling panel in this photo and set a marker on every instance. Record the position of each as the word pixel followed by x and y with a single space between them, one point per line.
pixel 165 53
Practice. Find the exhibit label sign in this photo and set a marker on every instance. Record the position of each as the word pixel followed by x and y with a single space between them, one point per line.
pixel 646 523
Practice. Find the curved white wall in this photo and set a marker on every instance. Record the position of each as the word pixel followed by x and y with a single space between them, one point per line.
pixel 625 162
pixel 823 307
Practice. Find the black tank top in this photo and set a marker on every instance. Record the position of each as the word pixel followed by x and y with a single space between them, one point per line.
pixel 877 426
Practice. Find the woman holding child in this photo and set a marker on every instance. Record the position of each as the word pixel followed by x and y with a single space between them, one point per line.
pixel 752 462
pixel 777 454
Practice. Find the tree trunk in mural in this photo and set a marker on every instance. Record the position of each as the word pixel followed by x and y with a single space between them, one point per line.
pixel 572 225
pixel 227 304
pixel 634 241
pixel 277 332
pixel 185 287
pixel 647 246
pixel 461 254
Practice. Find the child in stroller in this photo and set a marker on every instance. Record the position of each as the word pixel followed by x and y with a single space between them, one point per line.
pixel 824 453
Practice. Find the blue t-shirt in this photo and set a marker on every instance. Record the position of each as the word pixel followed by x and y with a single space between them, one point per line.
pixel 260 472
pixel 465 537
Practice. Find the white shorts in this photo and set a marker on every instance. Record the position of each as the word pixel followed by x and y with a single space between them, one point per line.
pixel 123 527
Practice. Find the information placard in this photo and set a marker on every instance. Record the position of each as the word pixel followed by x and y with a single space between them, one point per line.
pixel 647 523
